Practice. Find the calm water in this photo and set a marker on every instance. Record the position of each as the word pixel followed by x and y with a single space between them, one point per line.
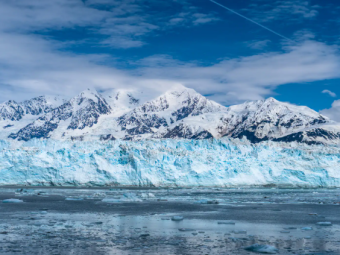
pixel 215 221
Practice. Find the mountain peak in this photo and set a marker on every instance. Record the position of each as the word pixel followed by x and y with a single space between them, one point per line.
pixel 89 94
pixel 271 100
pixel 181 90
pixel 178 113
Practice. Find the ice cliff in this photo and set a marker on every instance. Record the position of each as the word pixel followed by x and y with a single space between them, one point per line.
pixel 162 163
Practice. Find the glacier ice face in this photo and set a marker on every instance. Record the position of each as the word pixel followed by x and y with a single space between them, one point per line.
pixel 162 163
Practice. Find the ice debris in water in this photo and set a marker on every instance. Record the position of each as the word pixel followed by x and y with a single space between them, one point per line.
pixel 127 197
pixel 130 197
pixel 177 218
pixel 324 223
pixel 111 200
pixel 206 201
pixel 307 228
pixel 12 200
pixel 260 248
pixel 226 223
pixel 25 191
pixel 74 199
pixel 147 195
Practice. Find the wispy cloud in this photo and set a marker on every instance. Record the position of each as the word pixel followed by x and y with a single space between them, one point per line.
pixel 190 15
pixel 288 10
pixel 32 64
pixel 258 45
pixel 250 78
pixel 326 91
pixel 123 24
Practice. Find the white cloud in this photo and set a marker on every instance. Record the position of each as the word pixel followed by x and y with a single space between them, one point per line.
pixel 326 91
pixel 250 78
pixel 288 10
pixel 258 45
pixel 190 16
pixel 32 65
pixel 125 23
pixel 202 18
pixel 334 112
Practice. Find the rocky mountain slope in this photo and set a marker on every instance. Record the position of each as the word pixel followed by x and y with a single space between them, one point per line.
pixel 82 111
pixel 177 114
pixel 257 121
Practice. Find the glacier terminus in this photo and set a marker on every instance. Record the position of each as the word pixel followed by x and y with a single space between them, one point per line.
pixel 221 162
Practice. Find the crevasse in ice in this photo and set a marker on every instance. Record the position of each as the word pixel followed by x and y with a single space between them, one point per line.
pixel 161 163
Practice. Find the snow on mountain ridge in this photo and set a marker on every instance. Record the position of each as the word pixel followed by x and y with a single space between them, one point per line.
pixel 14 111
pixel 81 111
pixel 271 118
pixel 123 100
pixel 171 107
pixel 178 113
pixel 257 120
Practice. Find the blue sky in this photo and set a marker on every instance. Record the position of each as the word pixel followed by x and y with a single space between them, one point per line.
pixel 65 46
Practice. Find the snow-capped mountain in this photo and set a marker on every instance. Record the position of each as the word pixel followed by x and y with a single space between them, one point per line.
pixel 327 134
pixel 14 116
pixel 79 113
pixel 257 121
pixel 169 108
pixel 123 101
pixel 179 113
pixel 14 111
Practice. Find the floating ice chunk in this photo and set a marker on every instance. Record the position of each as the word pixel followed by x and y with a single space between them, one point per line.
pixel 25 191
pixel 177 218
pixel 147 195
pixel 111 200
pixel 307 228
pixel 74 199
pixel 127 197
pixel 130 197
pixel 240 232
pixel 226 222
pixel 324 223
pixel 206 201
pixel 99 194
pixel 260 248
pixel 12 201
pixel 186 229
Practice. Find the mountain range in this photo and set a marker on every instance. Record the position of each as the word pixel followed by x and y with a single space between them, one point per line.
pixel 181 113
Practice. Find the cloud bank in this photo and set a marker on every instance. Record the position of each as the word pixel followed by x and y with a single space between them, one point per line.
pixel 33 64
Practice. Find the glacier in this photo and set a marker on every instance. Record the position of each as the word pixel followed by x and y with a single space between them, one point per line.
pixel 221 162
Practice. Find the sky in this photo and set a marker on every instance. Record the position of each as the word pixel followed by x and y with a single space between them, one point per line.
pixel 65 46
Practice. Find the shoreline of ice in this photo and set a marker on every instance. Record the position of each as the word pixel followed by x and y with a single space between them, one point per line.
pixel 169 163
